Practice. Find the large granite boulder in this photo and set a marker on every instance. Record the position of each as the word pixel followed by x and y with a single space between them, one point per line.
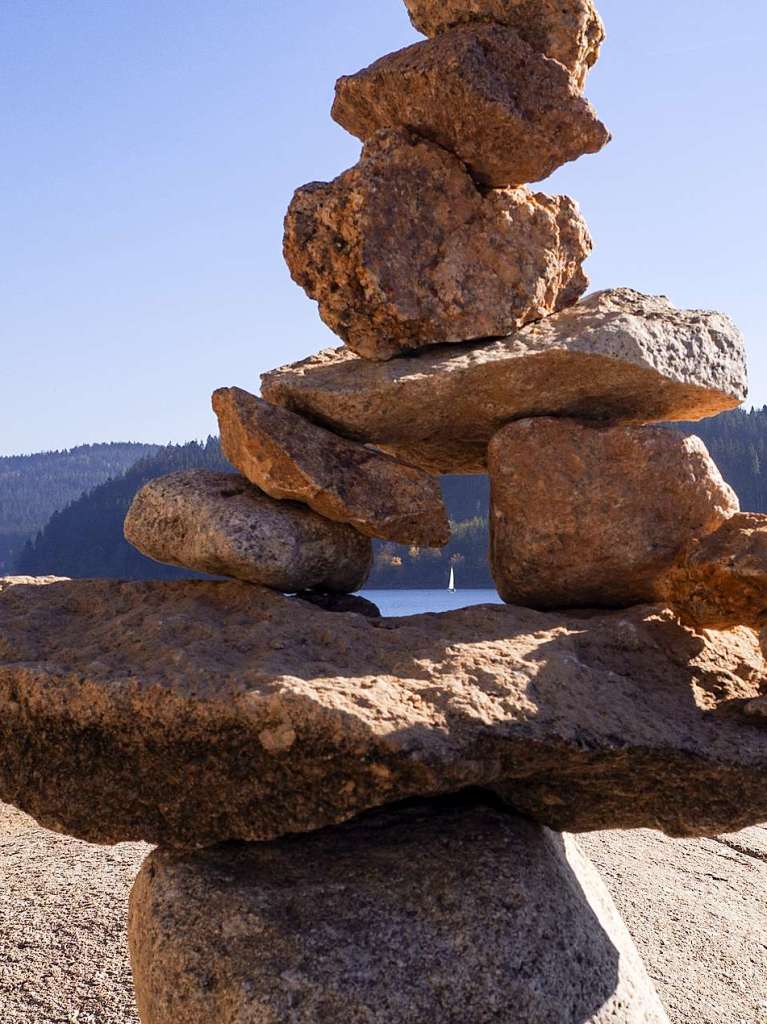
pixel 289 457
pixel 585 516
pixel 720 580
pixel 446 911
pixel 570 31
pixel 221 524
pixel 618 355
pixel 481 92
pixel 404 251
pixel 190 712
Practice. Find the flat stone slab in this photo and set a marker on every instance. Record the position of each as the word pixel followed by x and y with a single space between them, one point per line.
pixel 618 356
pixel 291 458
pixel 222 524
pixel 190 712
pixel 481 92
pixel 447 911
pixel 588 516
pixel 404 251
pixel 570 31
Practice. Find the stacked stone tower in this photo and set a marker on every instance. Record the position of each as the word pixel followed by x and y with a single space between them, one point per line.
pixel 374 772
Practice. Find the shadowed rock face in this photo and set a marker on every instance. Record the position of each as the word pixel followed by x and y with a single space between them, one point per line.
pixel 570 31
pixel 289 457
pixel 221 524
pixel 187 713
pixel 403 251
pixel 444 910
pixel 481 92
pixel 720 580
pixel 618 356
pixel 584 516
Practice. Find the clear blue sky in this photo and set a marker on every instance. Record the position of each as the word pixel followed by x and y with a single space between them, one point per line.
pixel 150 148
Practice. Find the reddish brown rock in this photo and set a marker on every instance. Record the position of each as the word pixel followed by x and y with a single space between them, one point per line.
pixel 193 712
pixel 618 356
pixel 221 524
pixel 570 31
pixel 584 516
pixel 481 92
pixel 720 580
pixel 454 912
pixel 291 458
pixel 403 251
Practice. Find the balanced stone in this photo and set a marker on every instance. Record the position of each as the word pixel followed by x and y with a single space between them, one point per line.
pixel 586 516
pixel 508 112
pixel 289 457
pixel 189 712
pixel 570 31
pixel 449 911
pixel 221 524
pixel 618 356
pixel 404 251
pixel 721 580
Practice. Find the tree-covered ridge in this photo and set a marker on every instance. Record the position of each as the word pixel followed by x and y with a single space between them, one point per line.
pixel 32 487
pixel 85 539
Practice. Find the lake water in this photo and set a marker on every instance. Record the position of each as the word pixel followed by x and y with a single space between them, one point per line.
pixel 410 602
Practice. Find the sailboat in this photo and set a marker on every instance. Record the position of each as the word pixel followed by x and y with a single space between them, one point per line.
pixel 451 584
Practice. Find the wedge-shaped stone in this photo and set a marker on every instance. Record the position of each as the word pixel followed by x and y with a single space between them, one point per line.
pixel 446 911
pixel 481 92
pixel 192 712
pixel 221 524
pixel 586 516
pixel 570 31
pixel 289 457
pixel 721 580
pixel 618 356
pixel 403 250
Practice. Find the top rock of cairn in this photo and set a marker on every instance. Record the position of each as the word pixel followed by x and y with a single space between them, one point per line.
pixel 570 31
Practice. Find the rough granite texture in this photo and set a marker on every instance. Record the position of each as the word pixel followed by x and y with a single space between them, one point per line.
pixel 570 31
pixel 289 457
pixel 481 92
pixel 721 580
pixel 404 251
pixel 190 712
pixel 445 911
pixel 618 355
pixel 221 524
pixel 585 516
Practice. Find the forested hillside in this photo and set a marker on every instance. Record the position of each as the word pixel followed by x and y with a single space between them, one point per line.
pixel 32 487
pixel 85 539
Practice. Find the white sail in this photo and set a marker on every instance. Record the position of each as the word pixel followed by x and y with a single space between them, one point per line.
pixel 451 585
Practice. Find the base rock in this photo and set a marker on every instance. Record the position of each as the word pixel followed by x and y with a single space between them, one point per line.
pixel 570 31
pixel 618 356
pixel 403 251
pixel 221 524
pixel 509 113
pixel 191 712
pixel 448 911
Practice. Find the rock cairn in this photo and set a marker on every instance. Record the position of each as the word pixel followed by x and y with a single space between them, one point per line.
pixel 373 770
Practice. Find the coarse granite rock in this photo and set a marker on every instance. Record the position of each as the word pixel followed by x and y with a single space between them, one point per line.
pixel 481 92
pixel 343 603
pixel 190 712
pixel 403 250
pixel 28 581
pixel 618 356
pixel 446 911
pixel 221 524
pixel 585 516
pixel 570 31
pixel 720 580
pixel 289 457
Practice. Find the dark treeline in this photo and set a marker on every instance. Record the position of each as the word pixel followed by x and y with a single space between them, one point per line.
pixel 32 487
pixel 85 538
